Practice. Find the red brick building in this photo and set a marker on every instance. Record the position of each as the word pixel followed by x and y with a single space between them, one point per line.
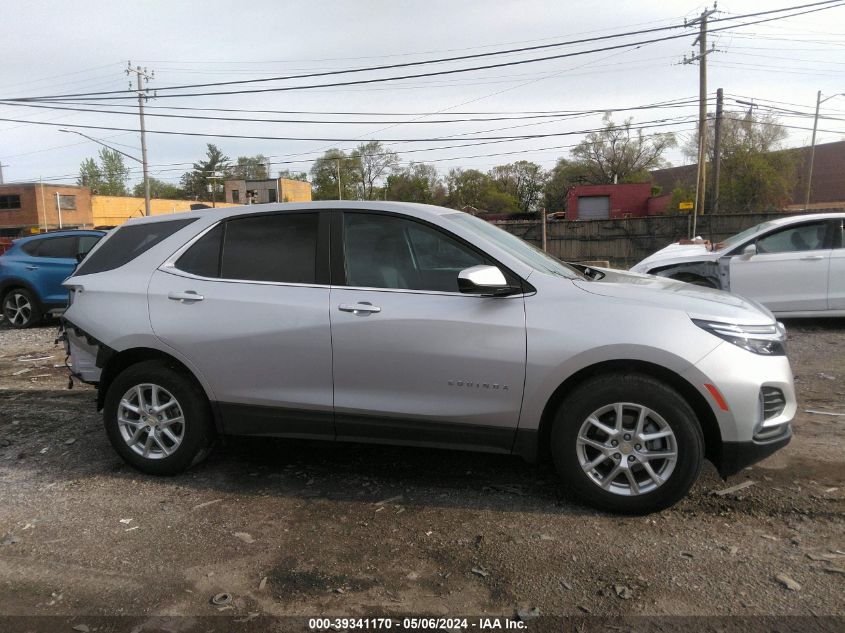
pixel 603 202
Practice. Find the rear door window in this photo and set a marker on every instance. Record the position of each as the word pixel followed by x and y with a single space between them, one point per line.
pixel 203 257
pixel 128 242
pixel 58 247
pixel 279 248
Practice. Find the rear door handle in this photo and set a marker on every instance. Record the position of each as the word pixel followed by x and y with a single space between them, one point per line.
pixel 32 267
pixel 188 296
pixel 812 258
pixel 358 308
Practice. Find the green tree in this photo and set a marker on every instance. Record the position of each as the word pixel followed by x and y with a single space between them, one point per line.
pixel 159 189
pixel 561 178
pixel 325 172
pixel 249 168
pixel 418 182
pixel 756 173
pixel 107 176
pixel 90 175
pixel 293 175
pixel 618 153
pixel 375 163
pixel 522 180
pixel 205 180
pixel 472 188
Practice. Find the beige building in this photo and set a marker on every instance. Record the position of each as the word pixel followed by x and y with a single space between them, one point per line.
pixel 266 191
pixel 35 207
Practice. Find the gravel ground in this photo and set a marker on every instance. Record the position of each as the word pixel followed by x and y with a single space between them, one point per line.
pixel 296 528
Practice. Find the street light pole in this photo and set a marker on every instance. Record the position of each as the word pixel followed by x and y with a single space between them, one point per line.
pixel 819 102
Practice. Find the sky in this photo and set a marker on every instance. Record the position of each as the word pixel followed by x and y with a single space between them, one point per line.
pixel 66 48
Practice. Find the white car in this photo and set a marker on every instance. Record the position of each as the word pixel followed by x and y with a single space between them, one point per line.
pixel 795 266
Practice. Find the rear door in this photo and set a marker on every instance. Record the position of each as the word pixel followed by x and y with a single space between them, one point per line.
pixel 790 272
pixel 248 304
pixel 416 361
pixel 52 261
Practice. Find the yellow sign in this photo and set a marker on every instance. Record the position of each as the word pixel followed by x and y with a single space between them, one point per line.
pixel 685 206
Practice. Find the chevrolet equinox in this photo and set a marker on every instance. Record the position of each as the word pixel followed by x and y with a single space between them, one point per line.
pixel 410 324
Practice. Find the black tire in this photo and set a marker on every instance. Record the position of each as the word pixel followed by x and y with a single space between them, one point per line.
pixel 14 312
pixel 637 389
pixel 197 432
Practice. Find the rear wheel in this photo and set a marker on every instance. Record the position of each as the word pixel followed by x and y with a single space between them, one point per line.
pixel 627 443
pixel 21 309
pixel 158 419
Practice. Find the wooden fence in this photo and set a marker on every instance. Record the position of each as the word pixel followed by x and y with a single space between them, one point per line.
pixel 626 241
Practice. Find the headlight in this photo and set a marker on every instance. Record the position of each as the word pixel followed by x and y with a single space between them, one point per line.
pixel 766 340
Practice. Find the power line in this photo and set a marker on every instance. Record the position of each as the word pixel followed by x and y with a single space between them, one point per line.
pixel 556 115
pixel 819 6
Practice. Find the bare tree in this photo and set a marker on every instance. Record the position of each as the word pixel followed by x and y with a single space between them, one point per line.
pixel 618 153
pixel 375 164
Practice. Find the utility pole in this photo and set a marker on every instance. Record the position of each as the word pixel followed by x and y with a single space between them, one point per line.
pixel 701 58
pixel 141 75
pixel 819 102
pixel 717 150
pixel 1 173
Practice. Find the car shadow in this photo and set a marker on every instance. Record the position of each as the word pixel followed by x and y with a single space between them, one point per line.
pixel 36 420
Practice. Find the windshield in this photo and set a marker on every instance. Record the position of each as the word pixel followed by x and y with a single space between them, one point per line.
pixel 739 238
pixel 527 253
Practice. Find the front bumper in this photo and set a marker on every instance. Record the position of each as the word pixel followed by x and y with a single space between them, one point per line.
pixel 734 456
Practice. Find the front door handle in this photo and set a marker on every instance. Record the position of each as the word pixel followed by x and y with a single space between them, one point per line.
pixel 189 296
pixel 812 258
pixel 358 308
pixel 30 267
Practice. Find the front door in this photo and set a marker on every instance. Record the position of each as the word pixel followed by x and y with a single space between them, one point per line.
pixel 245 305
pixel 416 361
pixel 789 273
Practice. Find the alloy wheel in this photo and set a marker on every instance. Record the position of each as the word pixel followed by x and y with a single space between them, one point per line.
pixel 17 308
pixel 151 421
pixel 627 449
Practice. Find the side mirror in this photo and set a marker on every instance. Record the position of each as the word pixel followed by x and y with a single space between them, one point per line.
pixel 484 280
pixel 80 257
pixel 749 251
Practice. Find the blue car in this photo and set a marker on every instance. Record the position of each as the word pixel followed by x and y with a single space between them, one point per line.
pixel 32 272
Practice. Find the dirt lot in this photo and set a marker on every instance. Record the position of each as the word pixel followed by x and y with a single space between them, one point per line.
pixel 292 528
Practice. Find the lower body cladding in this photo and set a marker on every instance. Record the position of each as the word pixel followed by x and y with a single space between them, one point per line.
pixel 753 399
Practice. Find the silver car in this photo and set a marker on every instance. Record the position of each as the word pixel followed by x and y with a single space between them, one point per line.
pixel 418 325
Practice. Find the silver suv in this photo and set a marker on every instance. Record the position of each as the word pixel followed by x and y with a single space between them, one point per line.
pixel 410 324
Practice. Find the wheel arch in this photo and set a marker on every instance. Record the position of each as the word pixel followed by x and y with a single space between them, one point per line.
pixel 16 282
pixel 116 362
pixel 539 448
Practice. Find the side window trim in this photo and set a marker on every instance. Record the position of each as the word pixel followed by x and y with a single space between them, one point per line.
pixel 339 256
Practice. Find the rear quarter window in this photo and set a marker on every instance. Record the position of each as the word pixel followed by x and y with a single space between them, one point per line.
pixel 127 243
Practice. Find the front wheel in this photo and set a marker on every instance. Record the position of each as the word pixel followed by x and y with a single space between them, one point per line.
pixel 627 443
pixel 158 419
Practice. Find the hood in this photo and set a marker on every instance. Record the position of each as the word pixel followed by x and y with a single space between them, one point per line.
pixel 676 254
pixel 697 301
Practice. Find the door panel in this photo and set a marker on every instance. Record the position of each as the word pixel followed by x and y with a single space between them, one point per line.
pixel 789 272
pixel 426 363
pixel 264 345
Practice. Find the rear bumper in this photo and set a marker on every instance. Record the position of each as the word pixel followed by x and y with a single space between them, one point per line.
pixel 734 456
